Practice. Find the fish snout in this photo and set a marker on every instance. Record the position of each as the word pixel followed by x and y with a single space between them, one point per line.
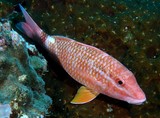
pixel 138 99
pixel 141 96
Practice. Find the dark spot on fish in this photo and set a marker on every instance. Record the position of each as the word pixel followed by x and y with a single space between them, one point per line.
pixel 120 82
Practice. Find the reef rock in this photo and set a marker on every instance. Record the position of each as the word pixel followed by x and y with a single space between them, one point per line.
pixel 20 85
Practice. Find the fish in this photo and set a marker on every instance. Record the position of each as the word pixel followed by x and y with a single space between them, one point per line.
pixel 97 71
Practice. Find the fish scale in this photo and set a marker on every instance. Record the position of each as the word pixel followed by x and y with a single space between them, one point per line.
pixel 97 71
pixel 82 67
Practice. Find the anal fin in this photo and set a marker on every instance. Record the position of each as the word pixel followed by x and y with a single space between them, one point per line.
pixel 84 95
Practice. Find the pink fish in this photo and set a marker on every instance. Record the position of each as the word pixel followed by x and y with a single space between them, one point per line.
pixel 97 71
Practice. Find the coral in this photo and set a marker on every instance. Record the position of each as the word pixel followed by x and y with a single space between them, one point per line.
pixel 38 63
pixel 5 111
pixel 20 85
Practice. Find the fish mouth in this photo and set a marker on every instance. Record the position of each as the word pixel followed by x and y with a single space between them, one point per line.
pixel 136 101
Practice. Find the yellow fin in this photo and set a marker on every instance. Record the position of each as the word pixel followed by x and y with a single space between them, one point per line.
pixel 84 95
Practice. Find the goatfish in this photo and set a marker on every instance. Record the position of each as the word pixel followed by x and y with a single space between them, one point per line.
pixel 97 71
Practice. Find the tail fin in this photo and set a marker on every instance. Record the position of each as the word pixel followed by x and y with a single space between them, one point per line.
pixel 30 28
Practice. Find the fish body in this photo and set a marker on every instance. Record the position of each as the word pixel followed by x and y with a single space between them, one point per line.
pixel 96 70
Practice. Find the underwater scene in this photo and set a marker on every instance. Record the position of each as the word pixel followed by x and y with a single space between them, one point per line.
pixel 80 59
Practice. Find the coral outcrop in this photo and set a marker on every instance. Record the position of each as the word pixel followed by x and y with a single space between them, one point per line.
pixel 20 85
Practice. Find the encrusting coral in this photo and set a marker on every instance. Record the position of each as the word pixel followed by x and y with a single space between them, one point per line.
pixel 20 85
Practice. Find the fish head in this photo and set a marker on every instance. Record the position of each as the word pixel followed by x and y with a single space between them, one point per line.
pixel 123 86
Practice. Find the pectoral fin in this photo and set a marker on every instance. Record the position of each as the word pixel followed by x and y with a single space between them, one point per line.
pixel 84 95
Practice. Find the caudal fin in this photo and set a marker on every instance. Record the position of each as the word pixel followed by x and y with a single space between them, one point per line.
pixel 26 29
pixel 30 28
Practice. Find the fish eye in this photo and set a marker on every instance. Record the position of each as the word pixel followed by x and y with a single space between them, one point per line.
pixel 120 82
